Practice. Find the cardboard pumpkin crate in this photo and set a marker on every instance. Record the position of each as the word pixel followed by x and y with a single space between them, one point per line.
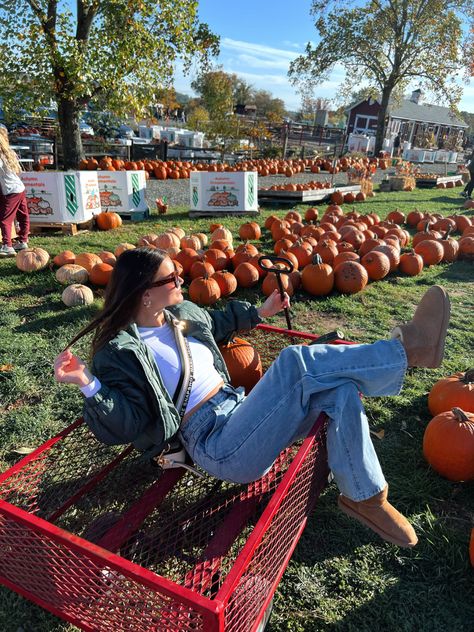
pixel 107 541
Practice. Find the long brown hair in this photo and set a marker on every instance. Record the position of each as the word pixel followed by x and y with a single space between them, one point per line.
pixel 7 155
pixel 133 274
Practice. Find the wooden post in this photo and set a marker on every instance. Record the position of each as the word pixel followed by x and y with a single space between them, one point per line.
pixel 286 130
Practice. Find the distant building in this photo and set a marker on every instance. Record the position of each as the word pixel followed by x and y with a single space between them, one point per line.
pixel 409 118
pixel 245 109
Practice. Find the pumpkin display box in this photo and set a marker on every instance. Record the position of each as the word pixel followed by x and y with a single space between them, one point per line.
pixel 222 193
pixel 122 191
pixel 69 197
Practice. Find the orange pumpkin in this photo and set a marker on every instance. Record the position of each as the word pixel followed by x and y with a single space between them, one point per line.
pixel 108 220
pixel 204 291
pixel 243 363
pixel 448 444
pixel 377 265
pixel 270 284
pixel 186 257
pixel 350 277
pixel 217 258
pixel 200 269
pixel 431 251
pixel 87 260
pixel 226 282
pixel 317 278
pixel 246 274
pixel 250 231
pixel 100 274
pixel 454 390
pixel 64 257
pixel 411 263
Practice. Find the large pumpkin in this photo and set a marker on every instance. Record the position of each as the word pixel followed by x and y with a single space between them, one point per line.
pixel 448 444
pixel 243 363
pixel 108 220
pixel 32 259
pixel 454 390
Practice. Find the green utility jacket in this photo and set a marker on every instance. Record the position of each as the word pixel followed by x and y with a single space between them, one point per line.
pixel 132 405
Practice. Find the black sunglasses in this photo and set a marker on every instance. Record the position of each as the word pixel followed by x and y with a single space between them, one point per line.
pixel 174 276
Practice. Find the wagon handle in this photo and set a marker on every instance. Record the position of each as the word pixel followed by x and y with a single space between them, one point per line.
pixel 278 271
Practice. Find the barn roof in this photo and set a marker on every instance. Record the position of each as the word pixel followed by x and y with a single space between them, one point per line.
pixel 411 111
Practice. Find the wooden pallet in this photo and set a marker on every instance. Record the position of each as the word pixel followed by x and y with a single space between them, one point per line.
pixel 301 197
pixel 134 216
pixel 222 213
pixel 423 183
pixel 38 228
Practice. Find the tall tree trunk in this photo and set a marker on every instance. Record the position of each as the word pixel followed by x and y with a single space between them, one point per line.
pixel 68 115
pixel 381 121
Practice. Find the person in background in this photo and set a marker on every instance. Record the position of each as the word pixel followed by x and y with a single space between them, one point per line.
pixel 157 373
pixel 467 193
pixel 12 200
pixel 396 145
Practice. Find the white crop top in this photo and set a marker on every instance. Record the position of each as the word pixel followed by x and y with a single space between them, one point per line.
pixel 162 342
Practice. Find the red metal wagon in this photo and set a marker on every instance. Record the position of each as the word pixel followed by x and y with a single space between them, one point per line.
pixel 107 541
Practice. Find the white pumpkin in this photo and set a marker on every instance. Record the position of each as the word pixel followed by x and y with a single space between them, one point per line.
pixel 77 294
pixel 71 273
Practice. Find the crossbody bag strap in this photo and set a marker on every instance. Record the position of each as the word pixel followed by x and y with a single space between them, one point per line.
pixel 186 378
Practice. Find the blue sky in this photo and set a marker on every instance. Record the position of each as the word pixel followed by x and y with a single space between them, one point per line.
pixel 259 39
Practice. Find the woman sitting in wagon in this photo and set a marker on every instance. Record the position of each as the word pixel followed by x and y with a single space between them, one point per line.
pixel 149 344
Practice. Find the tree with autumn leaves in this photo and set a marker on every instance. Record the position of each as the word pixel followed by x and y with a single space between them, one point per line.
pixel 388 44
pixel 116 52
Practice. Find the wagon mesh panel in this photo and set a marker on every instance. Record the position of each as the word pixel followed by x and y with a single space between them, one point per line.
pixel 194 532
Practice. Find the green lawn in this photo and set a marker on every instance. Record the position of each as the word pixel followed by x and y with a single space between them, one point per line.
pixel 341 576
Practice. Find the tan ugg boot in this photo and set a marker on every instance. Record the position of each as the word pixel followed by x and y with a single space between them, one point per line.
pixel 380 516
pixel 424 336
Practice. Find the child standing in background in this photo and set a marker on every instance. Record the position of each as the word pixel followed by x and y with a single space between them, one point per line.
pixel 12 200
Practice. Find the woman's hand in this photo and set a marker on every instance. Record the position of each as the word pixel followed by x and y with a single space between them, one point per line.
pixel 71 369
pixel 274 304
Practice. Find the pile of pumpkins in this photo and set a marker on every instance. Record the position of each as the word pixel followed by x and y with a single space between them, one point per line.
pixel 74 271
pixel 448 442
pixel 176 169
pixel 340 251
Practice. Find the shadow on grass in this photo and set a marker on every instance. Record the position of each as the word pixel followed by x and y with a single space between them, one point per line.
pixel 58 317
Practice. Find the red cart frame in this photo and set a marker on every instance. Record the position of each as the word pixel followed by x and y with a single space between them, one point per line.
pixel 107 541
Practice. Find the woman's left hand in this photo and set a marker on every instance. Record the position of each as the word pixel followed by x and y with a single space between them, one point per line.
pixel 274 304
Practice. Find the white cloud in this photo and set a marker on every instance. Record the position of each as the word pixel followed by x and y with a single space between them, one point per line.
pixel 292 44
pixel 258 62
pixel 257 50
pixel 266 67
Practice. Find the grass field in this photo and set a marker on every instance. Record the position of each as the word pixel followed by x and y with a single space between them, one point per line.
pixel 341 577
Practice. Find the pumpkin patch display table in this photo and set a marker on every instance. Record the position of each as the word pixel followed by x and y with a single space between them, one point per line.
pixel 65 201
pixel 107 541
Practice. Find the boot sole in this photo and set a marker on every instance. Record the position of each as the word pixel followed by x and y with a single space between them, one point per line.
pixel 371 525
pixel 444 329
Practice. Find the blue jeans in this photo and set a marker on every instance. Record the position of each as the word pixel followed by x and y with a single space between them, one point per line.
pixel 237 438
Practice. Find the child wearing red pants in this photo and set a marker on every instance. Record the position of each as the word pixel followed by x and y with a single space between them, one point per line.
pixel 12 200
